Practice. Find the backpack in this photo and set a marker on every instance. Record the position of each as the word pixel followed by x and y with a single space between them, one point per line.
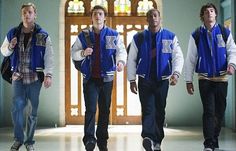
pixel 196 34
pixel 76 63
pixel 6 62
pixel 6 69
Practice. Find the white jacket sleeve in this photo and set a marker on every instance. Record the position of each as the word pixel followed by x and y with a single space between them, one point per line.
pixel 191 60
pixel 5 48
pixel 132 62
pixel 121 54
pixel 231 50
pixel 177 58
pixel 76 50
pixel 48 57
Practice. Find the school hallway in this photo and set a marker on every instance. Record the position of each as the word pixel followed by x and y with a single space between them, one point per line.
pixel 122 138
pixel 63 103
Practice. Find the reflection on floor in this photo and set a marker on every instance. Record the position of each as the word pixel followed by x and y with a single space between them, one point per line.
pixel 122 138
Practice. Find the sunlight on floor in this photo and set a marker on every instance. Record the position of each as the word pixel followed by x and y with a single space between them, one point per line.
pixel 116 129
pixel 121 138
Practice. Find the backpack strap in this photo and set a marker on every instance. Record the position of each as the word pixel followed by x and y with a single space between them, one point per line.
pixel 89 43
pixel 196 36
pixel 224 33
pixel 87 37
pixel 140 37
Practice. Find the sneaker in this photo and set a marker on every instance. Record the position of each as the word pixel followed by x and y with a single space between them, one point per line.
pixel 16 145
pixel 148 144
pixel 208 149
pixel 29 147
pixel 104 148
pixel 157 147
pixel 90 145
pixel 102 145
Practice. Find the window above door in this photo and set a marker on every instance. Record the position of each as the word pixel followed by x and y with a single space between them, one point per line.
pixel 116 7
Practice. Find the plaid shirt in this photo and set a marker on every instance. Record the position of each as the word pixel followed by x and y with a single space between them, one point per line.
pixel 24 72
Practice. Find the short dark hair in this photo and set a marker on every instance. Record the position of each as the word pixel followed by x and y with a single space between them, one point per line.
pixel 204 7
pixel 98 7
pixel 152 10
pixel 29 5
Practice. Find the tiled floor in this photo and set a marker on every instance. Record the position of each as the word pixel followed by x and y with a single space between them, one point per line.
pixel 122 138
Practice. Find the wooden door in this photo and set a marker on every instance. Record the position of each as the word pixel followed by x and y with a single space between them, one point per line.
pixel 125 107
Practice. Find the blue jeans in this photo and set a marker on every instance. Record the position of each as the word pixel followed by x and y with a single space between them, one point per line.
pixel 95 90
pixel 21 94
pixel 213 96
pixel 153 96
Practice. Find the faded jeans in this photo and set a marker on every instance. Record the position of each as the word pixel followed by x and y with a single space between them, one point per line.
pixel 21 94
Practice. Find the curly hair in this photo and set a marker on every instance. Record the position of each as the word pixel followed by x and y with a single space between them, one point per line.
pixel 204 7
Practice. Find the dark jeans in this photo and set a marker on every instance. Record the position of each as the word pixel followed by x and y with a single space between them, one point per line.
pixel 152 96
pixel 213 96
pixel 95 90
